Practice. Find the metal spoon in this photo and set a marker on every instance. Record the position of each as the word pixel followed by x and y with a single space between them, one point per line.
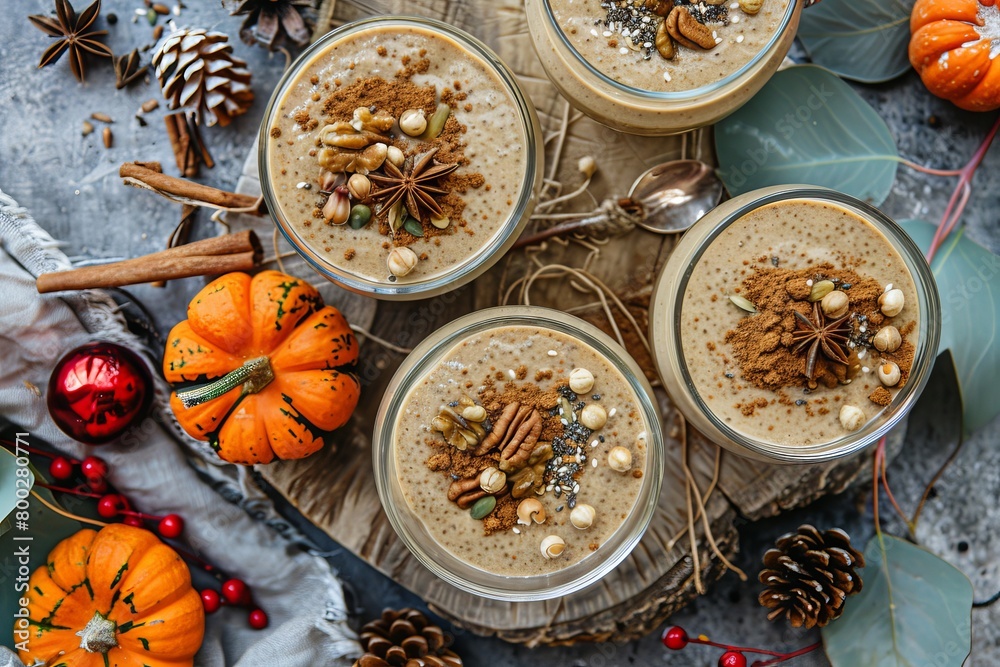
pixel 676 194
pixel 666 199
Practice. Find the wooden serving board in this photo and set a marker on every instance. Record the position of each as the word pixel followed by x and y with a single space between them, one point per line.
pixel 335 488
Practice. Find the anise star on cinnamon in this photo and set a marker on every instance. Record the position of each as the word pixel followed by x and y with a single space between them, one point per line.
pixel 414 185
pixel 73 34
pixel 817 335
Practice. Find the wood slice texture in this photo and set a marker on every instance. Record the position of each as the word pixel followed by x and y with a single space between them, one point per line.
pixel 335 488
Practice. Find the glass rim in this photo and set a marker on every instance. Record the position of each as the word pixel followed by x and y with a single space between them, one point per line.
pixel 443 563
pixel 924 356
pixel 680 95
pixel 458 274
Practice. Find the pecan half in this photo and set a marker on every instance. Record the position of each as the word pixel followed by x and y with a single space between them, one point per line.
pixel 688 32
pixel 506 425
pixel 465 492
pixel 664 43
pixel 519 447
pixel 660 7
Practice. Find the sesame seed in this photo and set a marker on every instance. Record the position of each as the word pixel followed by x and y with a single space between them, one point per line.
pixel 517 531
pixel 739 39
pixel 736 19
pixel 623 50
pixel 594 32
pixel 666 76
pixel 865 369
pixel 552 353
pixel 809 283
pixel 863 328
pixel 861 353
pixel 607 33
pixel 888 287
pixel 612 412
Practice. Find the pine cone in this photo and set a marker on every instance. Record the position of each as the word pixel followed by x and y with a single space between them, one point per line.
pixel 404 638
pixel 809 575
pixel 197 69
pixel 272 22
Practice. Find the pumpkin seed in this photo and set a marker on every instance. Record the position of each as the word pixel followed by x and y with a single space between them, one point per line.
pixel 442 222
pixel 743 303
pixel 360 216
pixel 567 410
pixel 482 507
pixel 413 226
pixel 435 124
pixel 397 216
pixel 820 289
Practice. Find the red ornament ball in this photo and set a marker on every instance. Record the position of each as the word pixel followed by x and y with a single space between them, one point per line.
pixel 210 600
pixel 94 469
pixel 135 521
pixel 258 619
pixel 97 391
pixel 61 468
pixel 675 638
pixel 235 591
pixel 111 505
pixel 732 659
pixel 171 526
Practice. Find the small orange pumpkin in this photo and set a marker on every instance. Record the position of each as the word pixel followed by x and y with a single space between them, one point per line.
pixel 280 360
pixel 115 598
pixel 953 47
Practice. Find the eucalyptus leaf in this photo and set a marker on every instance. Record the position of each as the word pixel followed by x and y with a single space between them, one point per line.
pixel 914 609
pixel 862 40
pixel 806 126
pixel 968 282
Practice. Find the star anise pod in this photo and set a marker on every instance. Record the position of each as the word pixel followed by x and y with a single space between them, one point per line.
pixel 269 22
pixel 415 185
pixel 817 335
pixel 128 69
pixel 73 34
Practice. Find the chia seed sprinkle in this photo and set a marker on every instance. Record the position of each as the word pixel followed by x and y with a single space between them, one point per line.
pixel 801 401
pixel 632 20
pixel 730 375
pixel 559 509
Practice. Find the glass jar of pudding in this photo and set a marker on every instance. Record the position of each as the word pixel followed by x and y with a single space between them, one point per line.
pixel 605 57
pixel 518 453
pixel 795 324
pixel 400 157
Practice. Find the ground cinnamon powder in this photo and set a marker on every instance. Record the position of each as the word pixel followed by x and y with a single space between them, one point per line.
pixel 762 343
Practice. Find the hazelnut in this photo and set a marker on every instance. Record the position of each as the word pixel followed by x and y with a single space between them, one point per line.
pixel 492 480
pixel 587 166
pixel 359 186
pixel 835 304
pixel 888 374
pixel 582 516
pixel 530 509
pixel 891 302
pixel 395 156
pixel 751 6
pixel 620 459
pixel 851 417
pixel 887 339
pixel 593 416
pixel 581 380
pixel 401 261
pixel 553 546
pixel 474 413
pixel 413 122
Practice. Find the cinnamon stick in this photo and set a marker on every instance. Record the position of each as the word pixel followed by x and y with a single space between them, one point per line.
pixel 221 254
pixel 135 173
pixel 180 235
pixel 173 134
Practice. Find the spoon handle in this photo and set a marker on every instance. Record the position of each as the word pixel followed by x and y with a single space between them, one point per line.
pixel 613 217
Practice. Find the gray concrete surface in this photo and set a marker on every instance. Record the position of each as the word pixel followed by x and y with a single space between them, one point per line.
pixel 70 184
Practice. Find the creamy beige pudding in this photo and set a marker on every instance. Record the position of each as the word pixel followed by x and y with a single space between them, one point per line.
pixel 660 66
pixel 619 38
pixel 396 156
pixel 522 450
pixel 759 296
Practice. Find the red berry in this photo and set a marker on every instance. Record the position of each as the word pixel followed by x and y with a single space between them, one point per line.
pixel 97 485
pixel 171 526
pixel 675 638
pixel 94 468
pixel 110 505
pixel 732 659
pixel 258 619
pixel 210 600
pixel 61 468
pixel 131 520
pixel 236 591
